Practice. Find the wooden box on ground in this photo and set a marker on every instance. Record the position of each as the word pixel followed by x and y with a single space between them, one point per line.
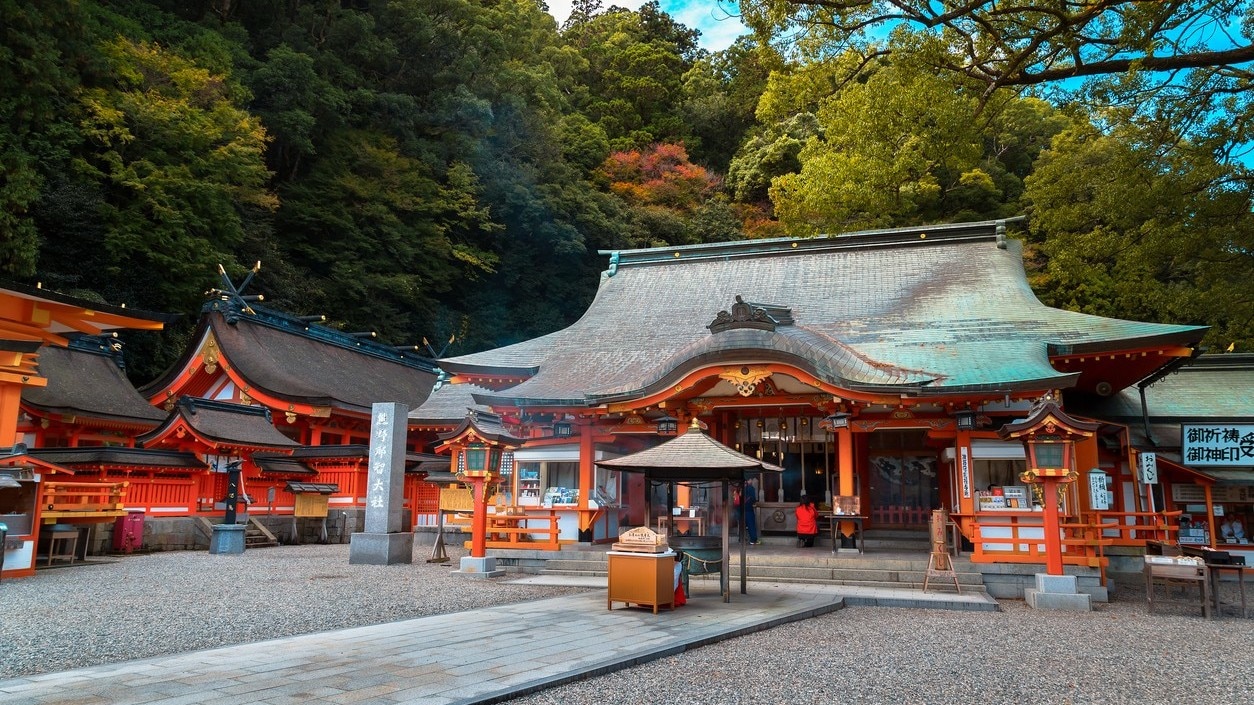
pixel 642 579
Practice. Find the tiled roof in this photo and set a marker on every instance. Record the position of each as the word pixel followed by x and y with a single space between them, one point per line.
pixel 941 309
pixel 230 424
pixel 1210 387
pixel 303 362
pixel 85 380
pixel 487 425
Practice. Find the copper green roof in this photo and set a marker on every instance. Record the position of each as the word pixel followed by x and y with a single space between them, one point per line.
pixel 919 311
pixel 1216 388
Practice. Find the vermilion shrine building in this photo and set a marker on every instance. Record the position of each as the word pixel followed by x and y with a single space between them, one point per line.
pixel 877 364
pixel 288 398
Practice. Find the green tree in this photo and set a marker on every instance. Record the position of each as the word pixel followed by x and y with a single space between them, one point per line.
pixel 40 44
pixel 176 157
pixel 1123 226
pixel 721 91
pixel 891 147
pixel 632 82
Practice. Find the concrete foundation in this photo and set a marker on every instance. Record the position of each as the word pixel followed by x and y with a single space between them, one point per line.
pixel 1011 581
pixel 367 548
pixel 479 568
pixel 1057 592
pixel 227 538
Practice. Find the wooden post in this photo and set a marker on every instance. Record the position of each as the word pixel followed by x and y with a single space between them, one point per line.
pixel 1053 537
pixel 479 521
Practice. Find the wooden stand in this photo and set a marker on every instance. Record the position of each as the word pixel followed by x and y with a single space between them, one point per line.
pixel 645 579
pixel 940 564
pixel 1173 570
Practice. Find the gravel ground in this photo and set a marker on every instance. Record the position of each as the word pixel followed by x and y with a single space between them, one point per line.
pixel 118 609
pixel 147 605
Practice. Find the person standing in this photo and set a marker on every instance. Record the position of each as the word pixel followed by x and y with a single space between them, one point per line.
pixel 748 513
pixel 807 522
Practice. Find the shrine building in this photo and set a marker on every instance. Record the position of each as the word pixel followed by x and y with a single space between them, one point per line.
pixel 876 365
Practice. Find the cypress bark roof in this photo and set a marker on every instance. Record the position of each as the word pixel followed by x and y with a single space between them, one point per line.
pixel 931 310
pixel 223 423
pixel 86 380
pixel 692 455
pixel 302 362
pixel 116 457
pixel 448 405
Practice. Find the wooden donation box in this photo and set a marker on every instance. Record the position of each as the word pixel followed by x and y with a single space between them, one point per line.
pixel 642 570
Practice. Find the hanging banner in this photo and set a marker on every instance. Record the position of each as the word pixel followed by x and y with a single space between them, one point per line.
pixel 1147 464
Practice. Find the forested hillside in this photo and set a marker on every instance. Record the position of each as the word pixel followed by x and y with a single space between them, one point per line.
pixel 448 169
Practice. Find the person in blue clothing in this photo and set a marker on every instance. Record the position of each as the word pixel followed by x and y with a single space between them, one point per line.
pixel 748 499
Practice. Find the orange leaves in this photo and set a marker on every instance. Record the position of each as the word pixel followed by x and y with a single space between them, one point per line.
pixel 660 176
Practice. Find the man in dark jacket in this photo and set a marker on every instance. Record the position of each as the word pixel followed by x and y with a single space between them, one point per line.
pixel 748 500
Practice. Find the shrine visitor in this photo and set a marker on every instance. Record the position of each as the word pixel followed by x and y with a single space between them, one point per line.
pixel 807 522
pixel 681 598
pixel 748 500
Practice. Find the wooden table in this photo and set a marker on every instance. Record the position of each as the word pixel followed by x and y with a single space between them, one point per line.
pixel 1216 571
pixel 1169 573
pixel 836 520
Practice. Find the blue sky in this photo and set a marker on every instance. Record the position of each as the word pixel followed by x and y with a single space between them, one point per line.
pixel 718 28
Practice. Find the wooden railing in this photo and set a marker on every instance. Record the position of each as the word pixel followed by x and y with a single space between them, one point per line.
pixel 162 492
pixel 66 500
pixel 536 531
pixel 1020 539
pixel 1135 528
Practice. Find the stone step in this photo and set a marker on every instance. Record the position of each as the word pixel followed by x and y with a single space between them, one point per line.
pixel 917 584
pixel 821 559
pixel 795 573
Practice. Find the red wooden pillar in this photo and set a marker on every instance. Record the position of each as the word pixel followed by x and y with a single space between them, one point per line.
pixel 1053 527
pixel 479 523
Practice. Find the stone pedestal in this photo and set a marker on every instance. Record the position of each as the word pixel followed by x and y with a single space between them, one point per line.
pixel 1057 592
pixel 472 567
pixel 227 538
pixel 370 548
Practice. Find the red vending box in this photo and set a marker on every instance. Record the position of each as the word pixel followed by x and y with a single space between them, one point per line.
pixel 128 532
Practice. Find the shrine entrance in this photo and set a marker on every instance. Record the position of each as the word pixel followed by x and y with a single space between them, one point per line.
pixel 902 479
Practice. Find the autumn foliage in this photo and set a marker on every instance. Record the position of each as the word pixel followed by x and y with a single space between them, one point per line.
pixel 658 176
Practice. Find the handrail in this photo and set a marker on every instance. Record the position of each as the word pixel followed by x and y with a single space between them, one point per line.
pixel 69 499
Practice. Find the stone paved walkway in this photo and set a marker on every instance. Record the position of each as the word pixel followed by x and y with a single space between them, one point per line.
pixel 481 656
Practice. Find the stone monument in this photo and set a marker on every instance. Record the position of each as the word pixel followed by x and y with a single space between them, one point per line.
pixel 385 541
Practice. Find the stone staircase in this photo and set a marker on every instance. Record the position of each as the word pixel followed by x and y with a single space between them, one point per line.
pixel 255 534
pixel 891 560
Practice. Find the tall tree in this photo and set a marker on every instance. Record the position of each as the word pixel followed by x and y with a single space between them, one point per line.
pixel 632 82
pixel 40 46
pixel 1123 226
pixel 176 157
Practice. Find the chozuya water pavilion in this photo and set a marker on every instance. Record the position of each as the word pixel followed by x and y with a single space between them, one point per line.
pixel 877 364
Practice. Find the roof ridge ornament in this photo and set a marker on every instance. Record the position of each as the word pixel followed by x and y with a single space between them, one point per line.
pixel 745 314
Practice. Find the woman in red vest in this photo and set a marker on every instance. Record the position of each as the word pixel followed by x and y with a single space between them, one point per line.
pixel 807 522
